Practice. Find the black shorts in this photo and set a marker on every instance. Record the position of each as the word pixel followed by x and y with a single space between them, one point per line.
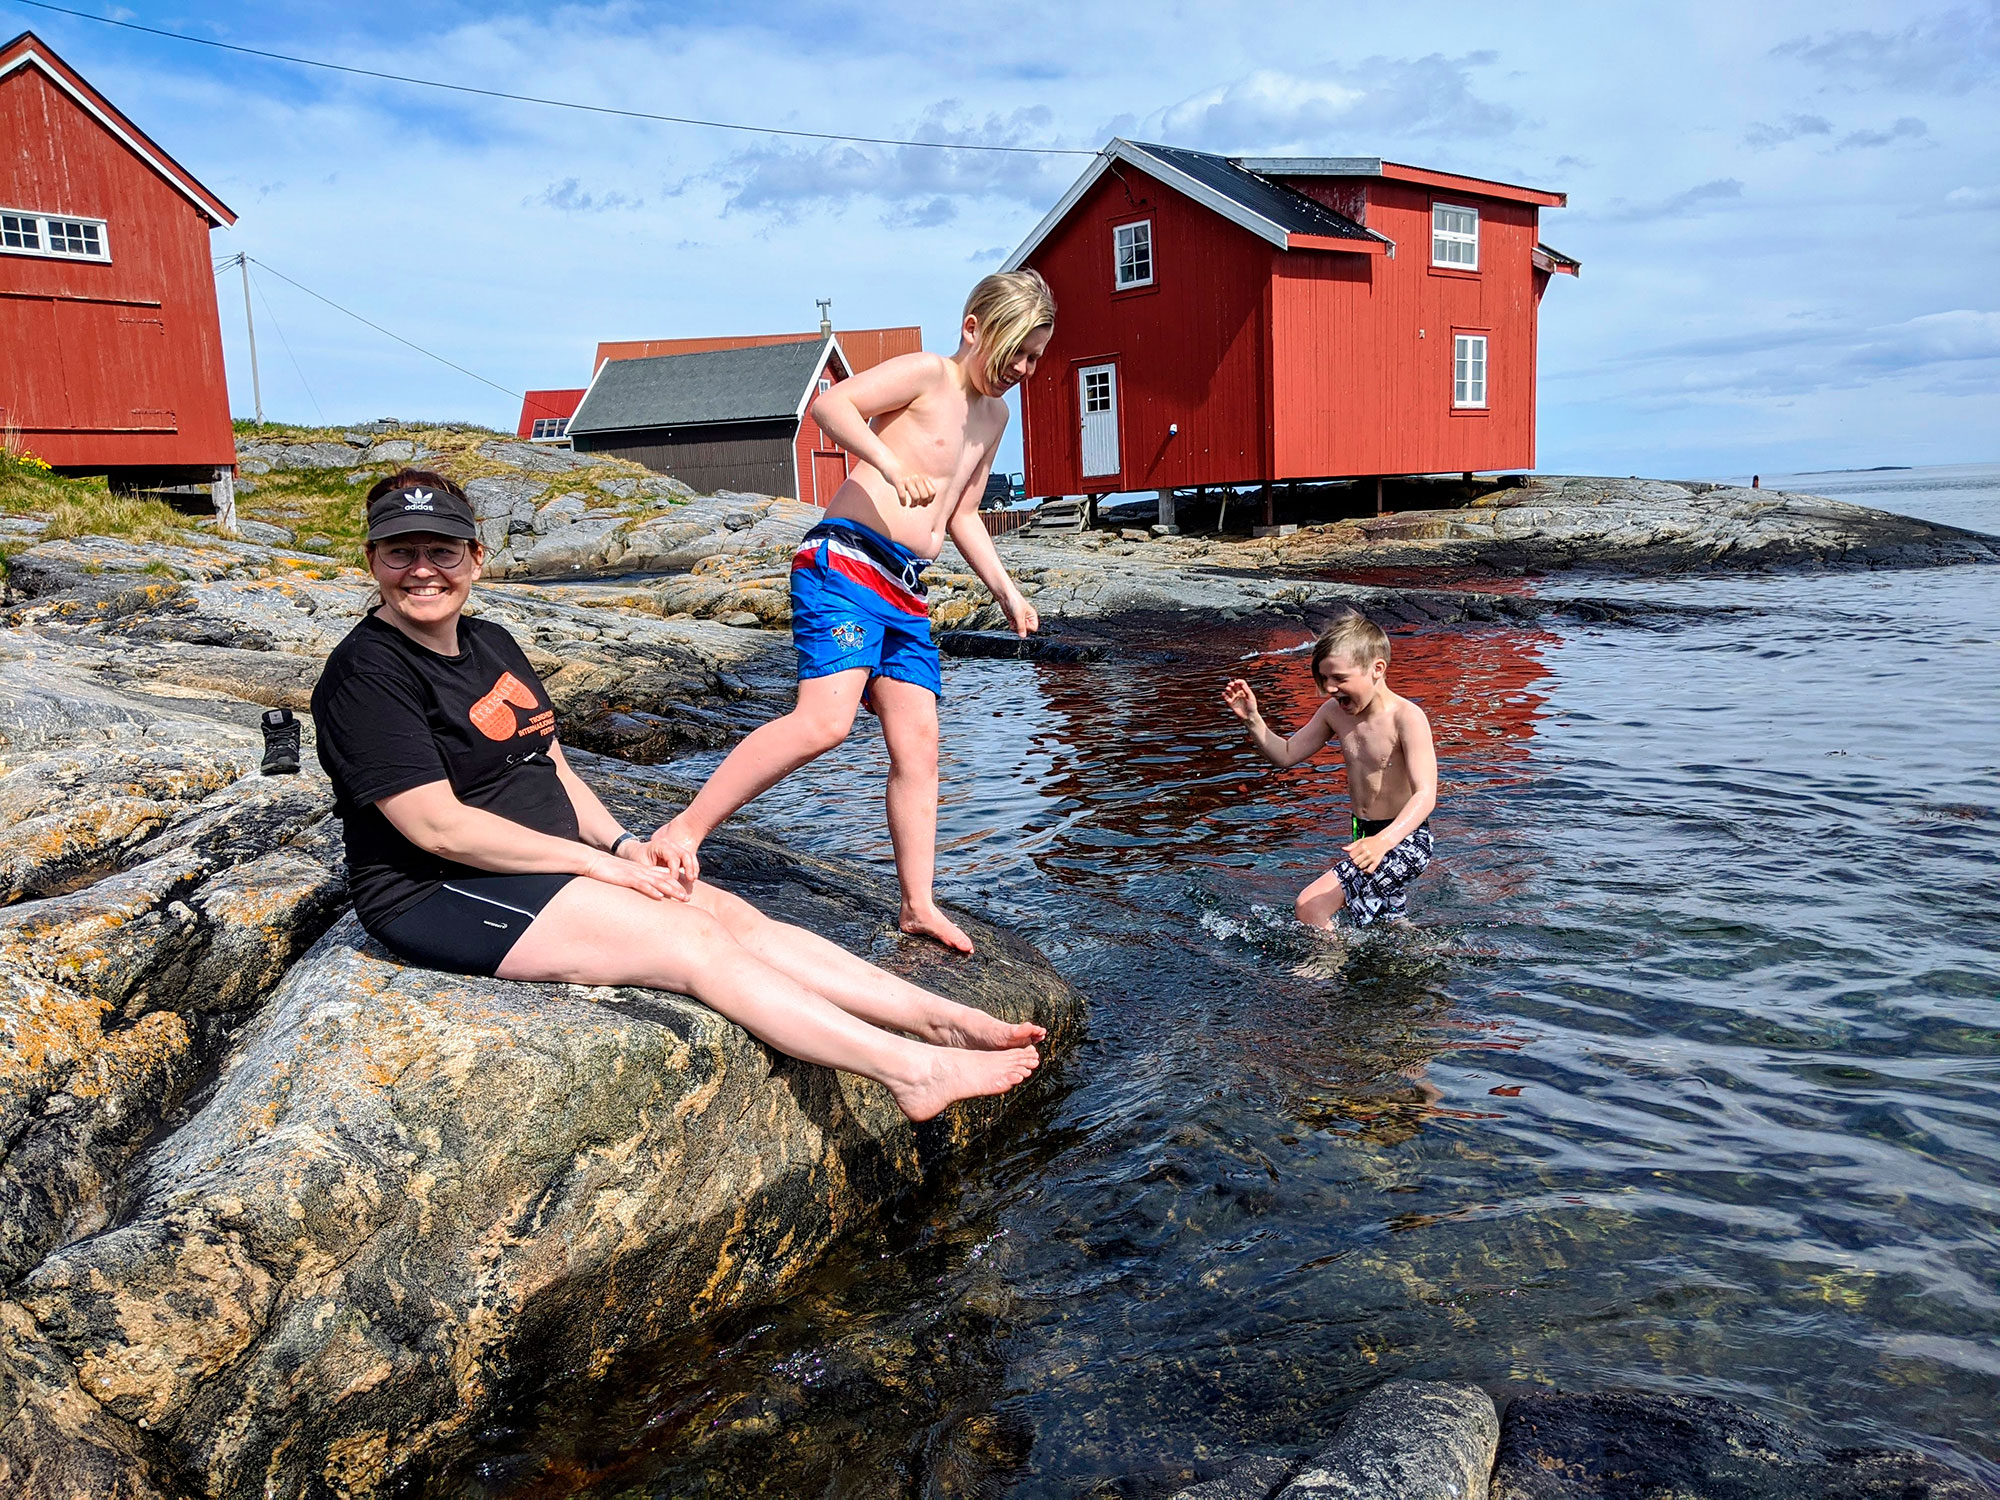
pixel 467 926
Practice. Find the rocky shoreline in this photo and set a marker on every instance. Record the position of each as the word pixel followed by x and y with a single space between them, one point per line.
pixel 1436 1440
pixel 279 1216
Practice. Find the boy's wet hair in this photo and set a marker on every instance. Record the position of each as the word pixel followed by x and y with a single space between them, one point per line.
pixel 1352 637
pixel 1010 305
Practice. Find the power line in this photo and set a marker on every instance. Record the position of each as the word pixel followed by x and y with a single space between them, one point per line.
pixel 261 297
pixel 380 329
pixel 596 109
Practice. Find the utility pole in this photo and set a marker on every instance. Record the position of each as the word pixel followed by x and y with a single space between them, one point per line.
pixel 256 386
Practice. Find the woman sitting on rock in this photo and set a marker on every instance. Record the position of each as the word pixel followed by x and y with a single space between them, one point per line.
pixel 472 847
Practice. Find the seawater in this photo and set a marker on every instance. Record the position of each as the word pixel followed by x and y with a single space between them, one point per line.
pixel 1687 1078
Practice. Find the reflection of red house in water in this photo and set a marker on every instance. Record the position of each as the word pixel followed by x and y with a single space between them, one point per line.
pixel 1477 686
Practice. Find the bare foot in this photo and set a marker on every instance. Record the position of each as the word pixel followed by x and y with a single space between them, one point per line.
pixel 929 922
pixel 955 1074
pixel 955 1025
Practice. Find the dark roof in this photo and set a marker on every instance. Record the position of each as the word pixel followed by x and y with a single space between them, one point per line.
pixel 693 390
pixel 1288 208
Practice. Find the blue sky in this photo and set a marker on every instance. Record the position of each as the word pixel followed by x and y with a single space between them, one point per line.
pixel 1788 213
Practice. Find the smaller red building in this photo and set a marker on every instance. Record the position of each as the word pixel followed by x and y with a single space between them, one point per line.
pixel 731 412
pixel 110 343
pixel 730 418
pixel 545 414
pixel 1229 321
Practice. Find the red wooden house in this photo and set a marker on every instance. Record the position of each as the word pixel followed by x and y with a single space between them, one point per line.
pixel 1229 321
pixel 110 345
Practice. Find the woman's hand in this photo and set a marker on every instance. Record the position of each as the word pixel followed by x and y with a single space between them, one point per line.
pixel 671 849
pixel 635 874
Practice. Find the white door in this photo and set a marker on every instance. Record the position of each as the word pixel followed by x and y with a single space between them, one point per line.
pixel 1097 400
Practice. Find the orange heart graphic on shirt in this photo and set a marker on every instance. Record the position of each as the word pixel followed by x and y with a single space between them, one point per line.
pixel 493 715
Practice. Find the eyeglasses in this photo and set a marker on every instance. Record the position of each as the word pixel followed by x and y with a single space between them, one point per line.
pixel 444 556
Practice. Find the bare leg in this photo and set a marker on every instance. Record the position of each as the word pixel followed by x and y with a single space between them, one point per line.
pixel 771 752
pixel 910 726
pixel 593 933
pixel 857 986
pixel 1319 901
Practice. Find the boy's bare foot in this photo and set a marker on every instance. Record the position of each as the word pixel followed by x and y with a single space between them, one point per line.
pixel 928 921
pixel 956 1074
pixel 958 1025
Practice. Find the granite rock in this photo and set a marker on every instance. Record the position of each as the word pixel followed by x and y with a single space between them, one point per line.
pixel 1406 1440
pixel 413 1191
pixel 1641 1445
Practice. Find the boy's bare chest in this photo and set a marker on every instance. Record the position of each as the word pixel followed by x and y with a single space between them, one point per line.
pixel 938 437
pixel 1371 750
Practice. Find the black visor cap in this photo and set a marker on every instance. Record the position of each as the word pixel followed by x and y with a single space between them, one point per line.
pixel 421 508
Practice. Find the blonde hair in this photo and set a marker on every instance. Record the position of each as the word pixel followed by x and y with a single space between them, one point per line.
pixel 1009 305
pixel 1352 637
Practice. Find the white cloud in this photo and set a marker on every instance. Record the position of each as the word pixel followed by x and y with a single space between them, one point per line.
pixel 1952 53
pixel 1761 137
pixel 1323 110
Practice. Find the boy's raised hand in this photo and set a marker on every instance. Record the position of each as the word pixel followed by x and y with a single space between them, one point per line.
pixel 1242 702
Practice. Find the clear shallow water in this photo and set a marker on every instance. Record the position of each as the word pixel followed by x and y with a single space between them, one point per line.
pixel 1689 1077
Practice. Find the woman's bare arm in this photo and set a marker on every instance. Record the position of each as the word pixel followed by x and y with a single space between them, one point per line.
pixel 432 818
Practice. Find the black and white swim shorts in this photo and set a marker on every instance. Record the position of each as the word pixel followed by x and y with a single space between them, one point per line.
pixel 1382 894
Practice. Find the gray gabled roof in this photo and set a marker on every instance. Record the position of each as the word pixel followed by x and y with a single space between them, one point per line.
pixel 1269 210
pixel 761 384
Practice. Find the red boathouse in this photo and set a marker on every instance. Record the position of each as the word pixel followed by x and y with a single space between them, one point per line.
pixel 112 346
pixel 1231 321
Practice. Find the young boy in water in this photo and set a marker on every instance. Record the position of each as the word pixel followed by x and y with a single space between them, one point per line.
pixel 925 429
pixel 1391 774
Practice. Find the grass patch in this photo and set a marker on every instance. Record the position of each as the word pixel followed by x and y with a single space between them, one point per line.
pixel 132 517
pixel 28 486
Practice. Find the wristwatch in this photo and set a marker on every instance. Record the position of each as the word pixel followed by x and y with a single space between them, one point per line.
pixel 619 842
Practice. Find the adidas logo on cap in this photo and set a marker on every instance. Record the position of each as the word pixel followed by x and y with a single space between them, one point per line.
pixel 417 500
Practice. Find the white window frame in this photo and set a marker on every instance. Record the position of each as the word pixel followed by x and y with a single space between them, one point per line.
pixel 1469 371
pixel 825 384
pixel 1119 243
pixel 43 247
pixel 1445 240
pixel 548 429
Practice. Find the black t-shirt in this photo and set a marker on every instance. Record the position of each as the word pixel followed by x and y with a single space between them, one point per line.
pixel 390 715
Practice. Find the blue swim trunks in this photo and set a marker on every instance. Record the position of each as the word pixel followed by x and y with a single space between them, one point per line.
pixel 858 601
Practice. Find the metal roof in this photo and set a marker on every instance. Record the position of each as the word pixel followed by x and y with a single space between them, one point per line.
pixel 1269 210
pixel 764 383
pixel 1289 209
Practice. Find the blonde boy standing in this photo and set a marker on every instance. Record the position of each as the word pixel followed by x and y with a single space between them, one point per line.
pixel 924 429
pixel 1391 774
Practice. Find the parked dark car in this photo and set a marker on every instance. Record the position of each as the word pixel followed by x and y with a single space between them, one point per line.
pixel 1002 490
